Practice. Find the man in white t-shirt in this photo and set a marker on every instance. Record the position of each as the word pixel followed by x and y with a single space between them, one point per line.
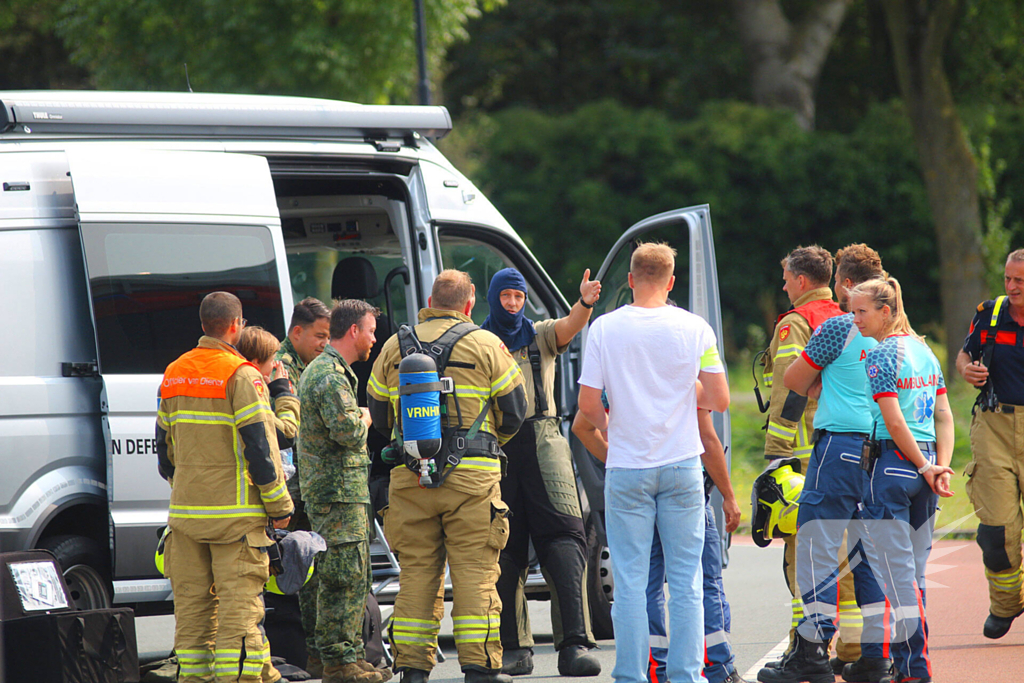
pixel 658 363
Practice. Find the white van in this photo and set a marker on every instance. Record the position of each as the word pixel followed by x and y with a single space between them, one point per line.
pixel 120 211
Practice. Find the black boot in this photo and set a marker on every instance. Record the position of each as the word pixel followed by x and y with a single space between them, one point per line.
pixel 806 662
pixel 566 566
pixel 574 660
pixel 517 662
pixel 997 627
pixel 478 674
pixel 867 670
pixel 838 665
pixel 414 676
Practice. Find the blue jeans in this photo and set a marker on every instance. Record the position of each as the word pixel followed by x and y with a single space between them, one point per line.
pixel 832 492
pixel 899 518
pixel 719 660
pixel 635 500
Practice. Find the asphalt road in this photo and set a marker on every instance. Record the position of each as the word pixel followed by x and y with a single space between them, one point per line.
pixel 957 596
pixel 754 585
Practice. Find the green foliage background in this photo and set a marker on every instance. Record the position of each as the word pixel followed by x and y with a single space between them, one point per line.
pixel 572 183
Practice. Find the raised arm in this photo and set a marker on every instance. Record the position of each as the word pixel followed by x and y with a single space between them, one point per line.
pixel 568 327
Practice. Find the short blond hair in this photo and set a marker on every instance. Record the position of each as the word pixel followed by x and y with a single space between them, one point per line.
pixel 452 290
pixel 652 262
pixel 257 344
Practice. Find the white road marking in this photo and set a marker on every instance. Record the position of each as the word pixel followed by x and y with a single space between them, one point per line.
pixel 770 656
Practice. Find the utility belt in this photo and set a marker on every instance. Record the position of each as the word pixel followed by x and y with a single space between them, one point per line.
pixel 925 446
pixel 1006 408
pixel 456 447
pixel 820 434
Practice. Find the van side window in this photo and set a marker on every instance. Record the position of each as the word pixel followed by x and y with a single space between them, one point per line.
pixel 146 283
pixel 482 261
pixel 316 272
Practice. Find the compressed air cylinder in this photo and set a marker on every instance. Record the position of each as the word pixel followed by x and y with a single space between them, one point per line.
pixel 421 411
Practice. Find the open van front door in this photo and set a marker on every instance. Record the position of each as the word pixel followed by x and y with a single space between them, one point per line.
pixel 696 289
pixel 160 230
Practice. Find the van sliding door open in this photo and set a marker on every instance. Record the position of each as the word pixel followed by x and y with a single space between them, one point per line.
pixel 160 230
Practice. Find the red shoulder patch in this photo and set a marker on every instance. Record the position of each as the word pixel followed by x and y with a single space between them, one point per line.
pixel 260 388
pixel 783 332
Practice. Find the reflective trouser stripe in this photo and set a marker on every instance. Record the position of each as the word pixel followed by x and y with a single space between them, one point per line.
pixel 712 639
pixel 195 662
pixel 415 631
pixel 470 629
pixel 849 614
pixel 1009 581
pixel 659 642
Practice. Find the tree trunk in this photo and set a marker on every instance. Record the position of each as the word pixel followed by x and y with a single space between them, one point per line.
pixel 918 30
pixel 786 60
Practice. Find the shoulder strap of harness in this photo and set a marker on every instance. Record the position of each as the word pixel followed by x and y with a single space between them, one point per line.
pixel 441 350
pixel 990 340
pixel 540 397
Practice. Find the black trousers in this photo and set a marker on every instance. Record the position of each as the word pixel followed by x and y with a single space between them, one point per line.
pixel 540 489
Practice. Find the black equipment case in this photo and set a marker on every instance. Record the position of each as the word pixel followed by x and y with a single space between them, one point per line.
pixel 46 640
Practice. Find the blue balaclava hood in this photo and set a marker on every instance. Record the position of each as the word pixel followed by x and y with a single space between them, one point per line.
pixel 515 330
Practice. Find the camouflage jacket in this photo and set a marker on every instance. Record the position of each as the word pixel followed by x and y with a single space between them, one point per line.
pixel 290 357
pixel 332 436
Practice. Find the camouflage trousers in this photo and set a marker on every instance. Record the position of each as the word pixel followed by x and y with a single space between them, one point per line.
pixel 344 575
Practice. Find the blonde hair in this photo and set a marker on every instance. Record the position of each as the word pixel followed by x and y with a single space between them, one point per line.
pixel 452 290
pixel 887 292
pixel 652 262
pixel 257 344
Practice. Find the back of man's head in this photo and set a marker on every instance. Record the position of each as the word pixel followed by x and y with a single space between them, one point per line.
pixel 452 290
pixel 813 262
pixel 307 312
pixel 857 263
pixel 217 311
pixel 652 263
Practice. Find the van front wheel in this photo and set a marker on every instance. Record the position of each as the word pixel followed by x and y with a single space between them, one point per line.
pixel 599 585
pixel 85 570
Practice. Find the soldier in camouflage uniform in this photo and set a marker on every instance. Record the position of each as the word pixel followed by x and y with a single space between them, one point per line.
pixel 333 470
pixel 307 337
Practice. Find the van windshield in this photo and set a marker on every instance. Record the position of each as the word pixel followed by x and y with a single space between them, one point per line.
pixel 146 283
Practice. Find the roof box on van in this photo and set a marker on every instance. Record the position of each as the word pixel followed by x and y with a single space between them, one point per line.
pixel 59 113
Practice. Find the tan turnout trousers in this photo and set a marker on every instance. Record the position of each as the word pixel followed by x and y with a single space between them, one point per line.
pixel 994 485
pixel 426 528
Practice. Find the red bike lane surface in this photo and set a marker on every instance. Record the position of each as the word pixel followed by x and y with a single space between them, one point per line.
pixel 957 595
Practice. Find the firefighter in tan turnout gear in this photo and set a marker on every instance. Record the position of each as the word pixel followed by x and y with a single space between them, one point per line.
pixel 992 359
pixel 455 513
pixel 217 447
pixel 807 272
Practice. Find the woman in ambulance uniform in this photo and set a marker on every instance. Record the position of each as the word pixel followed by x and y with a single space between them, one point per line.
pixel 914 427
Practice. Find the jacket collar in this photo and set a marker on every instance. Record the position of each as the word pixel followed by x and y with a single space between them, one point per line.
pixel 208 342
pixel 428 313
pixel 819 294
pixel 289 348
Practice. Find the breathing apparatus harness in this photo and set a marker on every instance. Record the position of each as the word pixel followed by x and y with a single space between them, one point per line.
pixel 421 436
pixel 987 399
